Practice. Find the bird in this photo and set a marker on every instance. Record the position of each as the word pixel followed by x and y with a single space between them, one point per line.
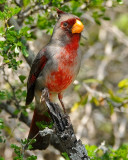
pixel 55 67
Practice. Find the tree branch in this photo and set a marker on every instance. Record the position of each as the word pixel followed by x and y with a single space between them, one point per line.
pixel 64 131
pixel 30 10
pixel 11 110
pixel 121 37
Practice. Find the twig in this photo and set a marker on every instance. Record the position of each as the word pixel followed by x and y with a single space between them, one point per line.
pixel 105 96
pixel 16 101
pixel 19 2
pixel 121 37
pixel 30 11
pixel 94 92
pixel 102 147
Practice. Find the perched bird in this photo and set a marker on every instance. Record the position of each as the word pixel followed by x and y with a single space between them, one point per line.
pixel 55 67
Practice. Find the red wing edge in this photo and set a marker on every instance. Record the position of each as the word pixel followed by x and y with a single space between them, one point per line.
pixel 37 67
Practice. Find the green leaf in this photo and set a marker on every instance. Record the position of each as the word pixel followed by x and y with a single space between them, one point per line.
pixel 24 93
pixel 84 99
pixel 32 157
pixel 44 124
pixel 16 112
pixel 97 2
pixel 1 123
pixel 24 30
pixel 123 83
pixel 9 12
pixel 2 95
pixel 2 31
pixel 29 147
pixel 7 61
pixel 111 107
pixel 106 18
pixel 2 1
pixel 120 1
pixel 22 78
pixel 46 2
pixel 91 150
pixel 14 11
pixel 95 101
pixel 115 98
pixel 92 81
pixel 98 21
pixel 24 51
pixel 26 2
pixel 75 106
pixel 1 158
pixel 25 113
pixel 122 22
pixel 77 87
pixel 65 156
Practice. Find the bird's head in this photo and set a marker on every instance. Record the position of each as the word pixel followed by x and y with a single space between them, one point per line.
pixel 68 26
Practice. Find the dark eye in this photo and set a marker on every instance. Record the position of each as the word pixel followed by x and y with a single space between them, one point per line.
pixel 65 24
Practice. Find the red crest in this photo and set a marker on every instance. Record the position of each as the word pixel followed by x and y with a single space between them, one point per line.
pixel 59 12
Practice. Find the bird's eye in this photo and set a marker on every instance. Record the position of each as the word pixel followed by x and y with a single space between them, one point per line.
pixel 65 24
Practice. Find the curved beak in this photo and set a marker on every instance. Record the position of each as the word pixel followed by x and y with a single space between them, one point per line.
pixel 77 27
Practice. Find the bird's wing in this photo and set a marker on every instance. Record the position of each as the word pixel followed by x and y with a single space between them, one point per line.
pixel 37 65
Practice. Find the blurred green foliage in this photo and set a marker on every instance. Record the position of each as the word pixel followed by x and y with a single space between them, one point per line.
pixel 2 138
pixel 19 151
pixel 122 22
pixel 107 153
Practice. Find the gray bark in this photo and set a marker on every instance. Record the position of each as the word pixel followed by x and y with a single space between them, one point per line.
pixel 64 132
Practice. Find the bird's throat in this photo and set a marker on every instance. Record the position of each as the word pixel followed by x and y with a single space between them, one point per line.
pixel 73 43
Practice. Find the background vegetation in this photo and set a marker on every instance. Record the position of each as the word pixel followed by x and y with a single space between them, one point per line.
pixel 97 102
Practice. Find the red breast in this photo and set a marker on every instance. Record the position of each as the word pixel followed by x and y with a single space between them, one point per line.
pixel 59 80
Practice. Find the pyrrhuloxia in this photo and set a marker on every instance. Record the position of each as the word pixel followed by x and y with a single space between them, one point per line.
pixel 55 68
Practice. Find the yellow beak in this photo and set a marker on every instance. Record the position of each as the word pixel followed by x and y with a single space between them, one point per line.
pixel 77 27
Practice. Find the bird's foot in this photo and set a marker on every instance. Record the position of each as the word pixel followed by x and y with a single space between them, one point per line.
pixel 44 95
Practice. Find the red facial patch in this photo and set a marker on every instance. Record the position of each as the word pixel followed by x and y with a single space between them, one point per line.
pixel 59 12
pixel 70 23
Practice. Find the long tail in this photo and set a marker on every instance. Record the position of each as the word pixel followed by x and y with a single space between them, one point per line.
pixel 41 142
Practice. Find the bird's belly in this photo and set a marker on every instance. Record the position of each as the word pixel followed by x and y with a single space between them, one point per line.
pixel 59 80
pixel 67 69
